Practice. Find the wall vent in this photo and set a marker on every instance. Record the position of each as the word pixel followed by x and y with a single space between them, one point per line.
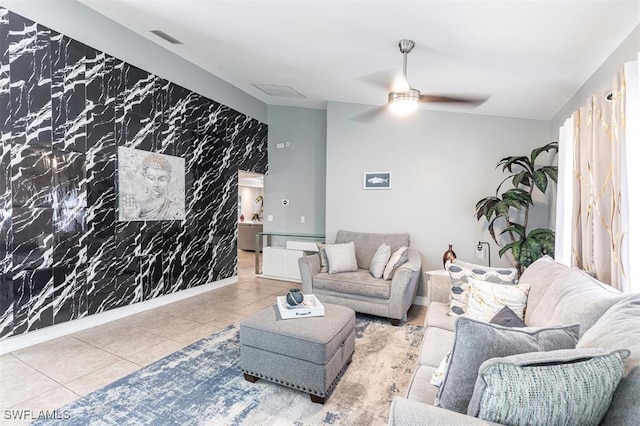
pixel 279 91
pixel 166 37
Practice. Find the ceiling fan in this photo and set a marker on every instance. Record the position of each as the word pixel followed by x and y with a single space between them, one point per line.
pixel 403 99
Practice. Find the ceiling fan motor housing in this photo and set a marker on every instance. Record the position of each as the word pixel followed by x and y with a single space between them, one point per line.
pixel 406 45
pixel 410 95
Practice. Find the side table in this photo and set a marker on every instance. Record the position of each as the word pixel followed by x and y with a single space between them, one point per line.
pixel 438 285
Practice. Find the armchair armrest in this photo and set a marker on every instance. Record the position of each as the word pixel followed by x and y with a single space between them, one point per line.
pixel 404 286
pixel 309 266
pixel 406 412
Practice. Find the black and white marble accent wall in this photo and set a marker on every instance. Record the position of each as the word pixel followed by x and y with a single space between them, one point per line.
pixel 64 110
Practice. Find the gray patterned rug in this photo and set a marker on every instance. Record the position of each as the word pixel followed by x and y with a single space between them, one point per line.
pixel 202 385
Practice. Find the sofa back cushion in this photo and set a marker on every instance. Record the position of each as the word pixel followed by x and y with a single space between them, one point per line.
pixel 618 328
pixel 539 275
pixel 573 297
pixel 366 244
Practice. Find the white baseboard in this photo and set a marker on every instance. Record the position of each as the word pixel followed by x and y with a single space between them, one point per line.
pixel 421 300
pixel 273 277
pixel 38 336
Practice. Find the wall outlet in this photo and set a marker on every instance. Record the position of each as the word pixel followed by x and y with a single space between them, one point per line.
pixel 269 218
pixel 303 219
pixel 280 145
pixel 287 144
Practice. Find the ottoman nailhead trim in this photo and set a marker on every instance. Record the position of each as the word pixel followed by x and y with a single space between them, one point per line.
pixel 291 385
pixel 312 391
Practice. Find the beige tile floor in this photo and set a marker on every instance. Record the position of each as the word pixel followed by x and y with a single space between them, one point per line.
pixel 51 374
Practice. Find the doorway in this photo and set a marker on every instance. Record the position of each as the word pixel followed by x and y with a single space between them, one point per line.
pixel 250 211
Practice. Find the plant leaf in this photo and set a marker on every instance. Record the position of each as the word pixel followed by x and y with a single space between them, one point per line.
pixel 521 178
pixel 486 207
pixel 546 238
pixel 516 197
pixel 516 228
pixel 551 146
pixel 552 172
pixel 507 163
pixel 540 179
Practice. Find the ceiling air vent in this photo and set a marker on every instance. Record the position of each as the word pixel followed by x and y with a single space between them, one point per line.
pixel 166 37
pixel 279 91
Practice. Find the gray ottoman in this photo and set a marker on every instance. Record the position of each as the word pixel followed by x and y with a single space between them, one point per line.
pixel 309 354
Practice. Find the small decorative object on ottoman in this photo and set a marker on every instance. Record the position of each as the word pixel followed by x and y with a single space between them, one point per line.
pixel 309 354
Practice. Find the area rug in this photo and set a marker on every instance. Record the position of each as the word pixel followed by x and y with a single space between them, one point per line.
pixel 202 385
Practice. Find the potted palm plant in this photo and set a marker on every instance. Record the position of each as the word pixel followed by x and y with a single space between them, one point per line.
pixel 257 217
pixel 509 210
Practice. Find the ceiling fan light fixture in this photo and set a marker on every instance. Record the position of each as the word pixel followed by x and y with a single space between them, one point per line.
pixel 404 103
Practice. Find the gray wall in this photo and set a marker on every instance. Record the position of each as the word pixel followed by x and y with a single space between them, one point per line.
pixel 296 173
pixel 442 163
pixel 82 23
pixel 600 81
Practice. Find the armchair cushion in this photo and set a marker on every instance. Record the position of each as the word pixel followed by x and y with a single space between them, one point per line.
pixel 324 263
pixel 380 260
pixel 398 258
pixel 359 283
pixel 366 244
pixel 341 257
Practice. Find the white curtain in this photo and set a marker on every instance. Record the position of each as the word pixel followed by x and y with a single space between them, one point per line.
pixel 564 202
pixel 598 158
pixel 632 73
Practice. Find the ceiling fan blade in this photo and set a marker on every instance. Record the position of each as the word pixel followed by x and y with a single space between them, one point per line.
pixel 370 115
pixel 454 99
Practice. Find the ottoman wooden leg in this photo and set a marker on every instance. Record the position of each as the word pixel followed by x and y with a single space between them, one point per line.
pixel 317 399
pixel 250 378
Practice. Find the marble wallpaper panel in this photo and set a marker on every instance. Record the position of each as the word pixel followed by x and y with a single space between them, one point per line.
pixel 65 108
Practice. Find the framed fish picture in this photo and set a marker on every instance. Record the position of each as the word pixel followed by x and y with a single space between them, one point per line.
pixel 377 180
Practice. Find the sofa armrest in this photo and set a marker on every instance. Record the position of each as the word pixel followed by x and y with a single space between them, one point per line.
pixel 309 266
pixel 439 286
pixel 404 286
pixel 405 412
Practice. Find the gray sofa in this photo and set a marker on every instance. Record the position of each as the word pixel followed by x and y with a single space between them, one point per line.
pixel 558 296
pixel 360 290
pixel 247 235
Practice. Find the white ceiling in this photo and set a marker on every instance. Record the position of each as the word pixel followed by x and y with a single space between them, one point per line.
pixel 530 57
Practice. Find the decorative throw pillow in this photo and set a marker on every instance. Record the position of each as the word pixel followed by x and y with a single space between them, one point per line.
pixel 477 341
pixel 438 376
pixel 398 258
pixel 460 273
pixel 380 260
pixel 486 299
pixel 341 257
pixel 578 384
pixel 507 318
pixel 324 263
